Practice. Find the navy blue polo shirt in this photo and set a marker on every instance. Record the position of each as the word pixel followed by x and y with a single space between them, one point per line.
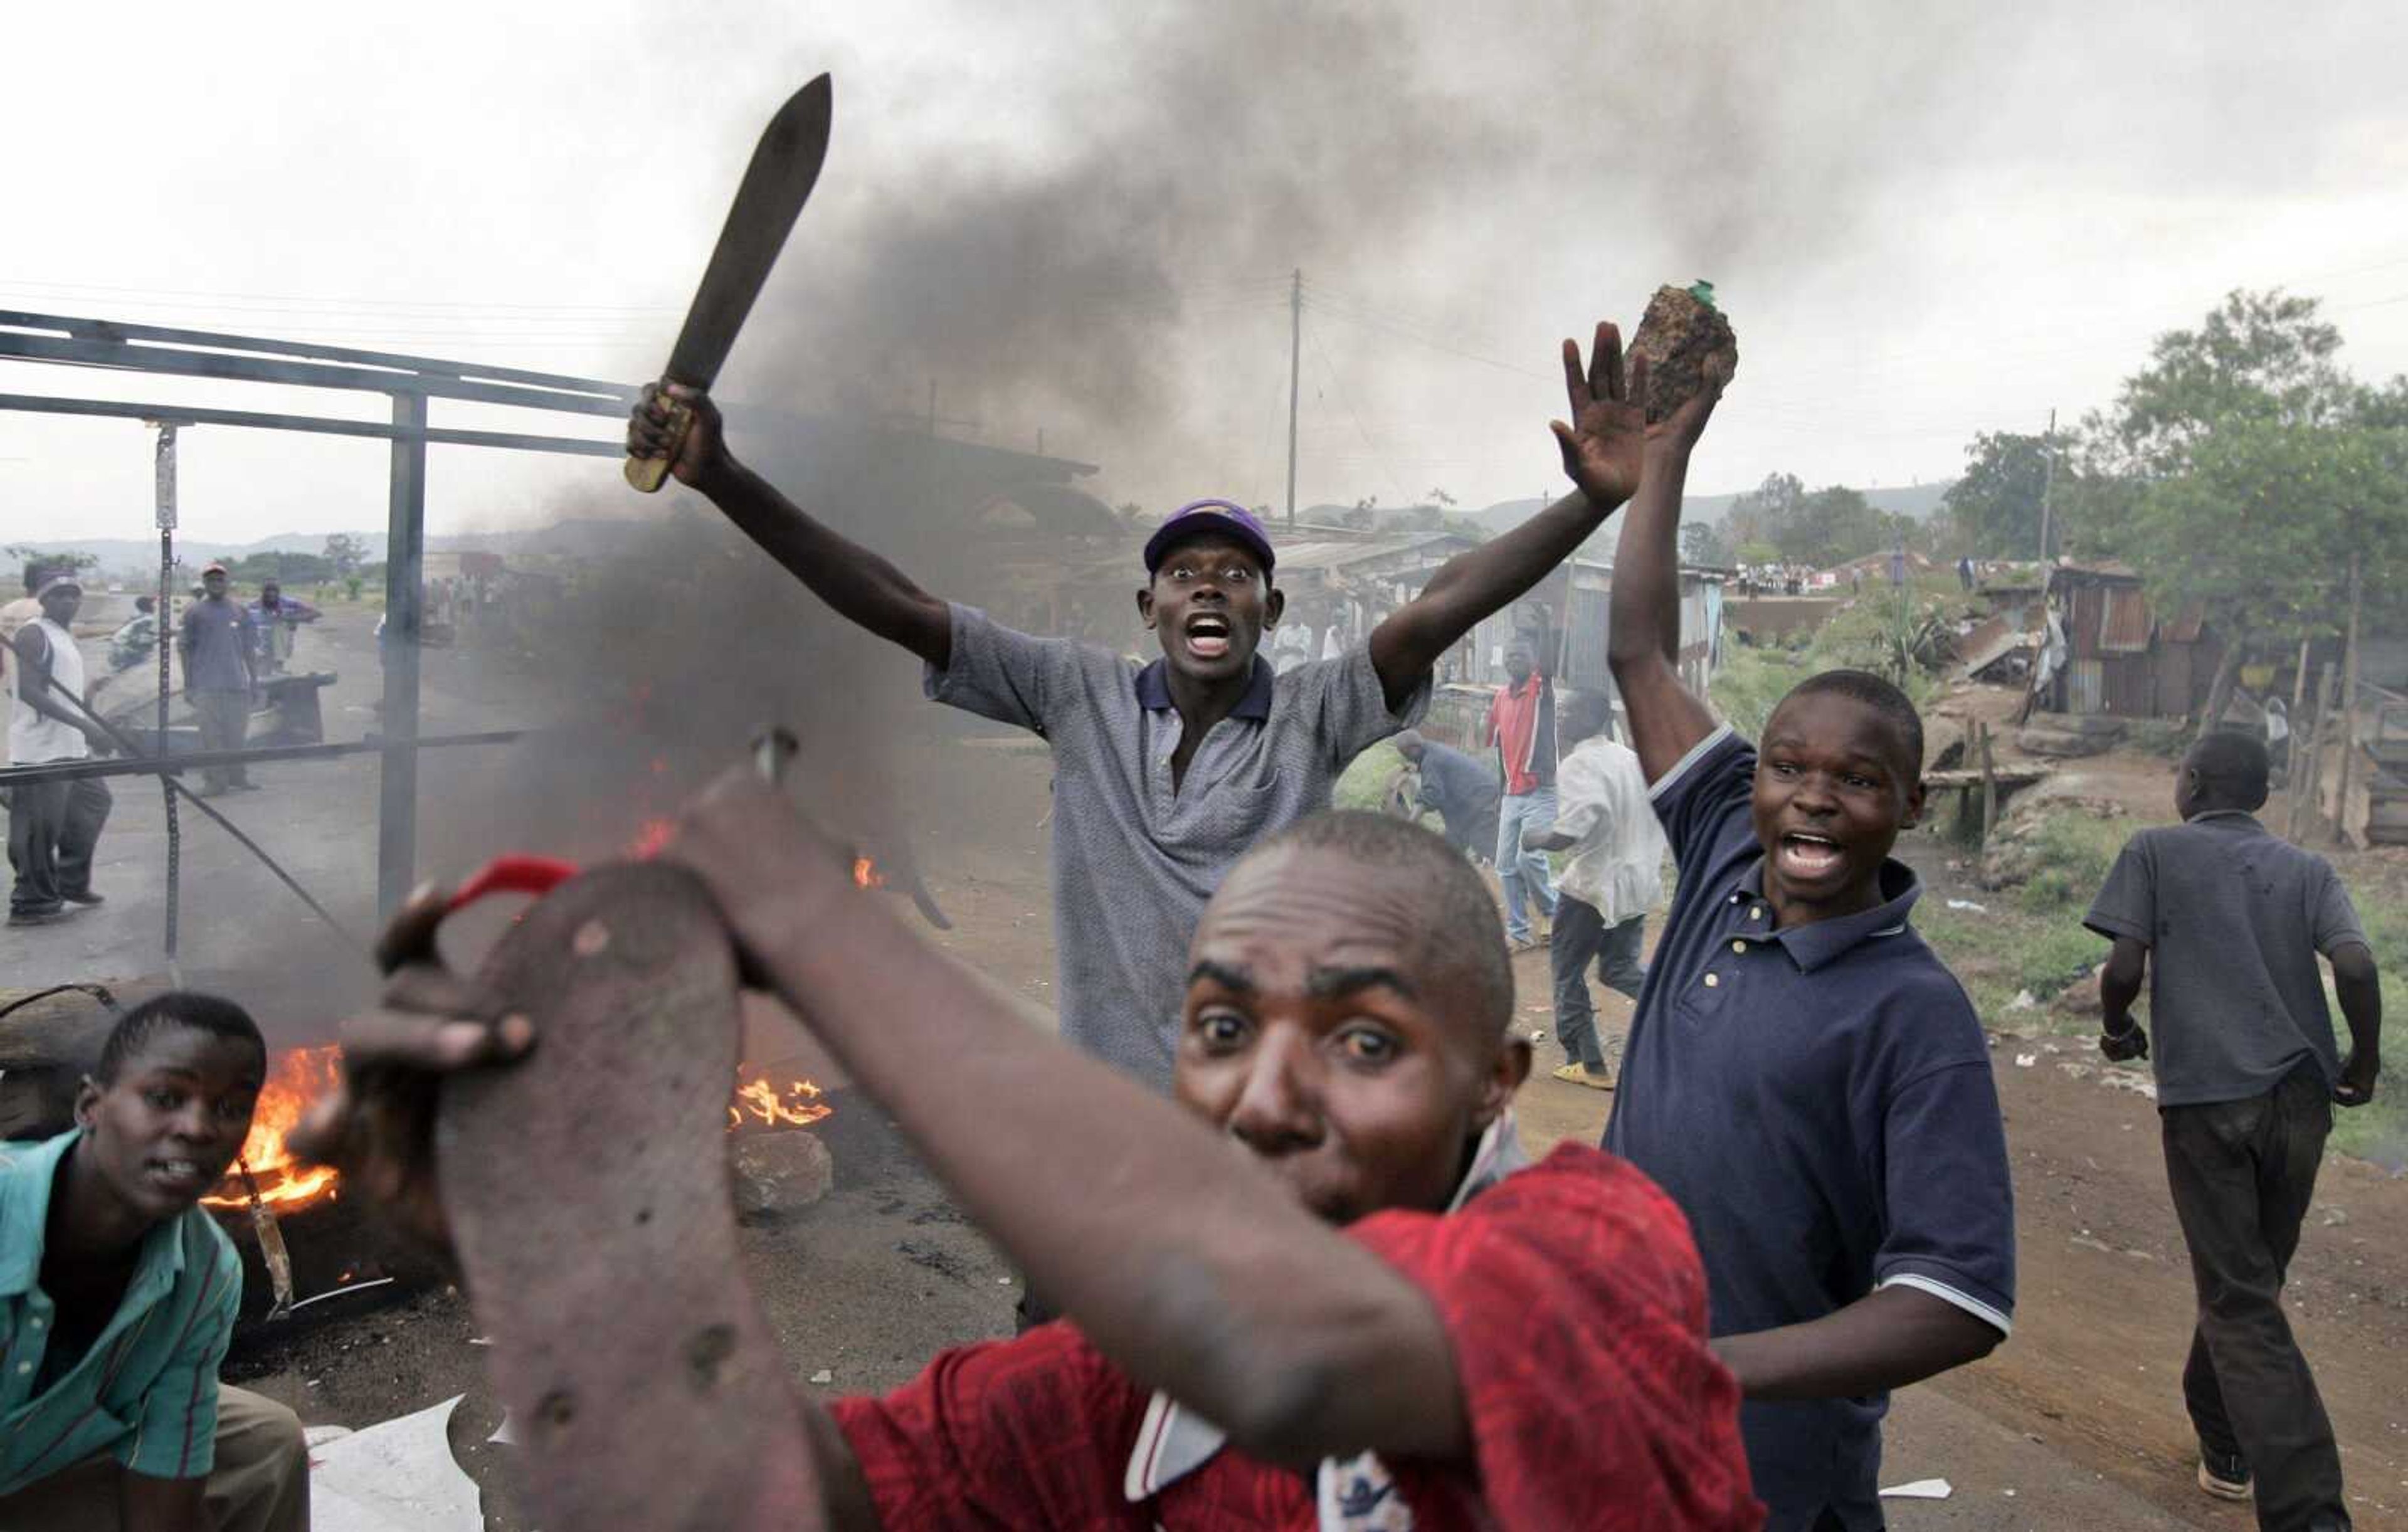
pixel 1818 1100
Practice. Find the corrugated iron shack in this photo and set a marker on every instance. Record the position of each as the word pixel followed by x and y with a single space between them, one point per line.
pixel 2119 657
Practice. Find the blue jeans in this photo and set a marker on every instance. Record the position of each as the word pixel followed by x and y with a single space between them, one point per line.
pixel 1524 874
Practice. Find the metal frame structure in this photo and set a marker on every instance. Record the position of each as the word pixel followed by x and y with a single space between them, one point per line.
pixel 409 384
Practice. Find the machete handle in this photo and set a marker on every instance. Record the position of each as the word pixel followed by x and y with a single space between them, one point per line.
pixel 649 474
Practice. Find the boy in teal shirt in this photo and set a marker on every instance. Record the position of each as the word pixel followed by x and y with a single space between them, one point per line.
pixel 118 1296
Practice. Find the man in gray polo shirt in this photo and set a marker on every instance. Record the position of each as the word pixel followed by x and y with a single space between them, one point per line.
pixel 2227 921
pixel 1165 773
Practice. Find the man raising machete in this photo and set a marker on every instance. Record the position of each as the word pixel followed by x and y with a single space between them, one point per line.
pixel 1167 773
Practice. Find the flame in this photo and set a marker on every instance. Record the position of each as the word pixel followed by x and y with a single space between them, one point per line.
pixel 865 874
pixel 796 1104
pixel 301 1075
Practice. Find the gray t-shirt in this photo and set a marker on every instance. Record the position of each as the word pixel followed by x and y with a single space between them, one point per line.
pixel 2233 917
pixel 1134 860
pixel 217 644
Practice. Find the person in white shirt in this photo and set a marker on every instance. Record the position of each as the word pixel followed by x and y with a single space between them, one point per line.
pixel 1614 873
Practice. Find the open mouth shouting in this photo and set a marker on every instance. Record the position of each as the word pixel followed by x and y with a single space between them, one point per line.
pixel 177 1175
pixel 1808 858
pixel 1208 635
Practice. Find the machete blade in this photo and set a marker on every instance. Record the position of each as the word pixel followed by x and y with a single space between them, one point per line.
pixel 785 166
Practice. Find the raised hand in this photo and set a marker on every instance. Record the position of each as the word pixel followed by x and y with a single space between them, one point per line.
pixel 378 1127
pixel 1603 443
pixel 653 424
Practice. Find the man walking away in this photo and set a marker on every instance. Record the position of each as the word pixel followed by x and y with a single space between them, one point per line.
pixel 1460 789
pixel 218 643
pixel 53 825
pixel 2247 1077
pixel 1614 876
pixel 1522 726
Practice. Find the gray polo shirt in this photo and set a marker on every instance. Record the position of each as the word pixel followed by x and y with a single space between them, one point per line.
pixel 1133 860
pixel 217 644
pixel 2233 917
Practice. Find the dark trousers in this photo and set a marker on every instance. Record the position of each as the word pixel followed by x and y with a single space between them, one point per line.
pixel 2244 1173
pixel 52 828
pixel 1580 935
pixel 225 719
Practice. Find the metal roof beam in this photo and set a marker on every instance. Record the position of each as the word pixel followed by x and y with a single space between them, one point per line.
pixel 185 414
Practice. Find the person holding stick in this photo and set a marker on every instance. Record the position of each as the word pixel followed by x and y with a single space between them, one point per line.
pixel 1166 773
pixel 54 826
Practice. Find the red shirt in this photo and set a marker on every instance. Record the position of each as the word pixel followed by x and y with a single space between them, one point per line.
pixel 1522 723
pixel 1577 1309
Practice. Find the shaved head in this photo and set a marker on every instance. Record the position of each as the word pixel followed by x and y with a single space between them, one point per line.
pixel 1465 941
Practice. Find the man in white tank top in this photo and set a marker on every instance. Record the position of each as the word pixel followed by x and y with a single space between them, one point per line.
pixel 53 825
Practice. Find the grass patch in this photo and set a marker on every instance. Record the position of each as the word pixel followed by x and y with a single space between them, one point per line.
pixel 2006 951
pixel 1753 679
pixel 1366 777
pixel 2378 1131
pixel 2069 854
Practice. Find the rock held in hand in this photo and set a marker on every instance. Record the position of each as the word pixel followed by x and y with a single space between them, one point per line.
pixel 1686 341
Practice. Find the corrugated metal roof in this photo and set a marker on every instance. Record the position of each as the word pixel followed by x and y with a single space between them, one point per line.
pixel 2186 627
pixel 1336 555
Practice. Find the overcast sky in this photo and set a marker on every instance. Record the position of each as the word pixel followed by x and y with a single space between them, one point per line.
pixel 1924 220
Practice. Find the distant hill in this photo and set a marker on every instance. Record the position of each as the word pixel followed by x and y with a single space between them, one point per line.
pixel 588 538
pixel 1920 501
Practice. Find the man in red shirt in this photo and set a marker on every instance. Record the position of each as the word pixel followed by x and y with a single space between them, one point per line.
pixel 1521 727
pixel 1380 1318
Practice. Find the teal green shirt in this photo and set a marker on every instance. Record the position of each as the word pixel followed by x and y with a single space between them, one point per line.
pixel 146 1391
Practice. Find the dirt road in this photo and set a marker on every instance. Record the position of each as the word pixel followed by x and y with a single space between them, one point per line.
pixel 2076 1423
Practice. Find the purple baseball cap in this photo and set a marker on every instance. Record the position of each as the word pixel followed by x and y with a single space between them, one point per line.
pixel 1225 518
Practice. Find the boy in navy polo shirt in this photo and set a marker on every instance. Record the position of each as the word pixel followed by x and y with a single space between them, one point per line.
pixel 1803 1075
pixel 1165 774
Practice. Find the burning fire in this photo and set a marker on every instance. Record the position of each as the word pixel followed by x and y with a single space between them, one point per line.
pixel 865 874
pixel 302 1075
pixel 758 1100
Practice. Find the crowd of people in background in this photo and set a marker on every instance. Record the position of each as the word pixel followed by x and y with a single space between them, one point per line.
pixel 1803 1197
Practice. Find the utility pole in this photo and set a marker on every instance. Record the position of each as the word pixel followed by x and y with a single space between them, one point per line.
pixel 2047 482
pixel 165 627
pixel 1294 356
pixel 2348 707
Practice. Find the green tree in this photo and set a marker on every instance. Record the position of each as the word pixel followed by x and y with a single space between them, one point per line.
pixel 2244 472
pixel 2260 356
pixel 1703 546
pixel 1994 509
pixel 22 553
pixel 284 568
pixel 345 553
pixel 1759 515
pixel 1831 525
